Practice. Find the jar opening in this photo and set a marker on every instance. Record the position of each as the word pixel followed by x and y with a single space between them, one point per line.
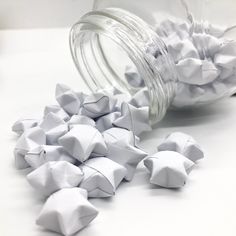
pixel 103 43
pixel 105 63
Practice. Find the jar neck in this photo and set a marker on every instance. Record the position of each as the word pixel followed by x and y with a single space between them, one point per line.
pixel 142 45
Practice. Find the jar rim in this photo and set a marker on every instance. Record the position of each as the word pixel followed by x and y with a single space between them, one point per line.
pixel 135 37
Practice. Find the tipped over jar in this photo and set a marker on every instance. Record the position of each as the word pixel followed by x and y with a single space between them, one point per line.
pixel 162 54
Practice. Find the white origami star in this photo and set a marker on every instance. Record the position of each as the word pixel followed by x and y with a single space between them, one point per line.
pixel 184 144
pixel 122 148
pixel 141 98
pixel 208 28
pixel 105 122
pixel 115 134
pixel 83 141
pixel 134 119
pixel 227 73
pixel 45 153
pixel 197 72
pixel 225 57
pixel 79 119
pixel 110 91
pixel 121 98
pixel 188 95
pixel 177 37
pixel 97 104
pixel 180 49
pixel 54 128
pixel 173 26
pixel 58 111
pixel 67 211
pixel 102 176
pixel 20 126
pixel 126 155
pixel 168 169
pixel 133 77
pixel 29 140
pixel 53 176
pixel 206 44
pixel 69 100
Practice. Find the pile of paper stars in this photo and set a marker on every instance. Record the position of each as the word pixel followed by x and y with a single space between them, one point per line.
pixel 85 147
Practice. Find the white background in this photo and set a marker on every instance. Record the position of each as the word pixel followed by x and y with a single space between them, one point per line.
pixel 41 13
pixel 31 63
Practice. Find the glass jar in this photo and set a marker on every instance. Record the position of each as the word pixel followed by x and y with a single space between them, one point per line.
pixel 182 52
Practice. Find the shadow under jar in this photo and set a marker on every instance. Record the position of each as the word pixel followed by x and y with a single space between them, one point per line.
pixel 183 53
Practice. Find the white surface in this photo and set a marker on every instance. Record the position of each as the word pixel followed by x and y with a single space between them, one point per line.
pixel 41 13
pixel 31 63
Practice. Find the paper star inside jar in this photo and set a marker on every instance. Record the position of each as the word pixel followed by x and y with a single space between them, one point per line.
pixel 141 98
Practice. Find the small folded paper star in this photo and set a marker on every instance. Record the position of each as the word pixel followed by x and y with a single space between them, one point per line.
pixel 206 44
pixel 226 55
pixel 214 90
pixel 197 72
pixel 181 49
pixel 58 111
pixel 225 61
pixel 20 126
pixel 53 176
pixel 208 28
pixel 173 26
pixel 227 73
pixel 121 98
pixel 115 134
pixel 123 153
pixel 133 77
pixel 54 128
pixel 83 141
pixel 168 169
pixel 79 119
pixel 134 119
pixel 29 140
pixel 105 122
pixel 188 95
pixel 110 91
pixel 141 98
pixel 68 99
pixel 67 211
pixel 183 144
pixel 45 153
pixel 97 104
pixel 102 176
pixel 123 148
